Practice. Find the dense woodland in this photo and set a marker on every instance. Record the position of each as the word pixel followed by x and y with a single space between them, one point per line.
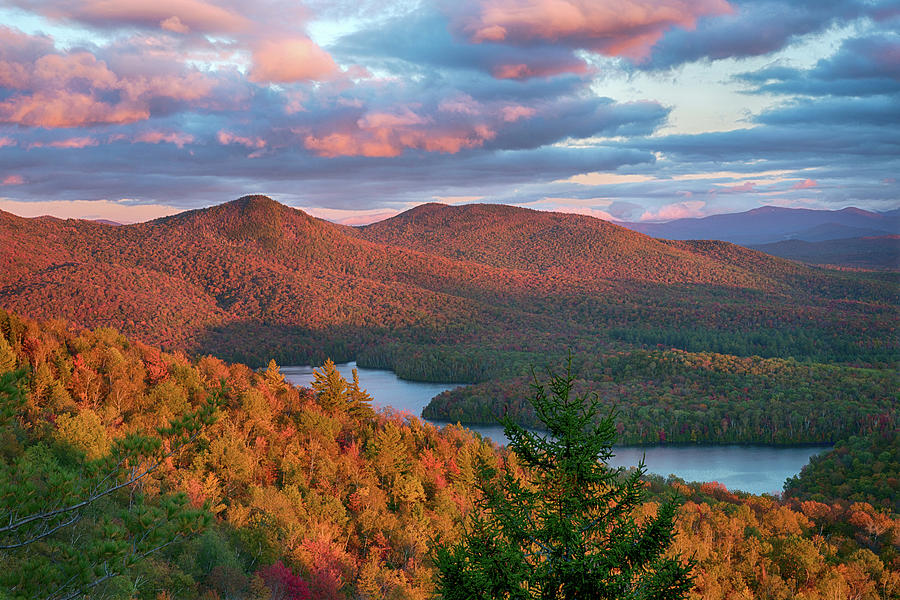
pixel 683 397
pixel 862 468
pixel 305 493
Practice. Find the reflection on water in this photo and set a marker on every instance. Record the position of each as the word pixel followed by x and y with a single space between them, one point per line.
pixel 756 469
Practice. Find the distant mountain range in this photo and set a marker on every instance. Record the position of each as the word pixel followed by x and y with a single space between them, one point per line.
pixel 878 252
pixel 430 289
pixel 769 224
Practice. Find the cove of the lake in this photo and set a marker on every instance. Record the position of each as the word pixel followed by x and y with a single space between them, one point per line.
pixel 755 469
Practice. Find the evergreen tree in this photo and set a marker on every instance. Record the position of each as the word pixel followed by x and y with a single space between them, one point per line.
pixel 329 386
pixel 334 392
pixel 359 402
pixel 563 528
pixel 273 376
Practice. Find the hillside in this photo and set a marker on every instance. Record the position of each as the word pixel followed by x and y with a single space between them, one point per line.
pixel 554 243
pixel 769 224
pixel 253 279
pixel 293 493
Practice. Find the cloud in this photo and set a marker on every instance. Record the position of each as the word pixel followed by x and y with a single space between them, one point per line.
pixel 678 210
pixel 171 137
pixel 388 134
pixel 272 31
pixel 755 28
pixel 627 28
pixel 13 180
pixel 54 89
pixel 193 14
pixel 175 25
pixel 747 186
pixel 423 38
pixel 171 99
pixel 862 66
pixel 805 184
pixel 288 60
pixel 68 143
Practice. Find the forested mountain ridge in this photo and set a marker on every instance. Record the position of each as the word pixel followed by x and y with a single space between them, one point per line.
pixel 562 243
pixel 252 279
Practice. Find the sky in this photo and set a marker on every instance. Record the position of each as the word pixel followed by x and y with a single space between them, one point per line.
pixel 631 110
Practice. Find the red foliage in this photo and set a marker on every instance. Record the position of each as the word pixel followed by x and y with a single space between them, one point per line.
pixel 283 584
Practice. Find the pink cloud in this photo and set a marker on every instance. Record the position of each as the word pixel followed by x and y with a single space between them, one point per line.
pixel 388 134
pixel 193 14
pixel 290 60
pixel 226 138
pixel 69 143
pixel 174 24
pixel 7 141
pixel 804 185
pixel 12 180
pixel 58 90
pixel 626 28
pixel 747 186
pixel 678 210
pixel 170 137
pixel 66 110
pixel 514 112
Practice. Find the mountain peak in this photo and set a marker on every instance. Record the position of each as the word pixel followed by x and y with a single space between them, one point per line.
pixel 254 201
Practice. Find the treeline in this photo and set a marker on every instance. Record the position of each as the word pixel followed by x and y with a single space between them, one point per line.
pixel 861 468
pixel 306 494
pixel 672 396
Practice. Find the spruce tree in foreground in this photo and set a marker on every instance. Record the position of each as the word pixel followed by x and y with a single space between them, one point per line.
pixel 564 529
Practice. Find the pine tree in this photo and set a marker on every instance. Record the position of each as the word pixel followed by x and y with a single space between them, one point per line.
pixel 359 402
pixel 329 386
pixel 273 376
pixel 563 528
pixel 334 392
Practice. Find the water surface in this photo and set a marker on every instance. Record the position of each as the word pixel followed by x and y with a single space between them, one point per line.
pixel 755 469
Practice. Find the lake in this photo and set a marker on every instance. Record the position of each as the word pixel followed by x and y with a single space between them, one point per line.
pixel 755 469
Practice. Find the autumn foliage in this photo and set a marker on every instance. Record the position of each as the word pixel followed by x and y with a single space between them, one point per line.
pixel 308 497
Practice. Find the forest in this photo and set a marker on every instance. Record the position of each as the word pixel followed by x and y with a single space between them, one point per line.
pixel 259 489
pixel 676 396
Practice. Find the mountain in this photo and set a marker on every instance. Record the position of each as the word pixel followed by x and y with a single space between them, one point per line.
pixel 438 293
pixel 544 242
pixel 773 224
pixel 878 252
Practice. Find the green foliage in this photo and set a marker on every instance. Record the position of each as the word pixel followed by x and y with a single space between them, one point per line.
pixel 864 468
pixel 683 397
pixel 75 513
pixel 564 528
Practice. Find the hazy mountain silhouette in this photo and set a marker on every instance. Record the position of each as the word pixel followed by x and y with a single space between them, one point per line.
pixel 773 224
